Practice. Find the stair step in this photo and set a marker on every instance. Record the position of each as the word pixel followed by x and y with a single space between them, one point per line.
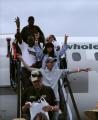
pixel 7 90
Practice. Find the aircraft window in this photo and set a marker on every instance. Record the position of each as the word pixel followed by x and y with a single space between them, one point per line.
pixel 96 56
pixel 76 56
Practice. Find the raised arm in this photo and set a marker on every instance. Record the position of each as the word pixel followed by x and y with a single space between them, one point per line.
pixel 64 47
pixel 65 39
pixel 17 21
pixel 18 34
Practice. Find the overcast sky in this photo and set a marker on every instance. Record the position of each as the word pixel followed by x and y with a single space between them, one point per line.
pixel 74 17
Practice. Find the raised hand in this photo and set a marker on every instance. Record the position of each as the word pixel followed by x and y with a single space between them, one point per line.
pixel 17 21
pixel 66 38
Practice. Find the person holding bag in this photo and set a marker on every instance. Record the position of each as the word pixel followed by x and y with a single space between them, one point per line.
pixel 36 94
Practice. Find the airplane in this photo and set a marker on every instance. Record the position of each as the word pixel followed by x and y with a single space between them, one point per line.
pixel 82 52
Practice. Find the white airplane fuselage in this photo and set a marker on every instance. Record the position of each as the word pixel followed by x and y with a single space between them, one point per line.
pixel 83 53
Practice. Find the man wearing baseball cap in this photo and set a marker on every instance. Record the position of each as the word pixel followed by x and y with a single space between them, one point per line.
pixel 36 92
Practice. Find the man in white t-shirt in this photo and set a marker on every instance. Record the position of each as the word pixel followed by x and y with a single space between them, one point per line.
pixel 29 56
pixel 28 52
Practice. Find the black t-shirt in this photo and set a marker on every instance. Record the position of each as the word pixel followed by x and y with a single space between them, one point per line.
pixel 30 95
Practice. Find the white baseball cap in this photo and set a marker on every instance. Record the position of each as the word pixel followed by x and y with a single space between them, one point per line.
pixel 35 74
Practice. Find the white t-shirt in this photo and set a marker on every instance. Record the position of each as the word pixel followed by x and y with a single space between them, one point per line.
pixel 27 57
